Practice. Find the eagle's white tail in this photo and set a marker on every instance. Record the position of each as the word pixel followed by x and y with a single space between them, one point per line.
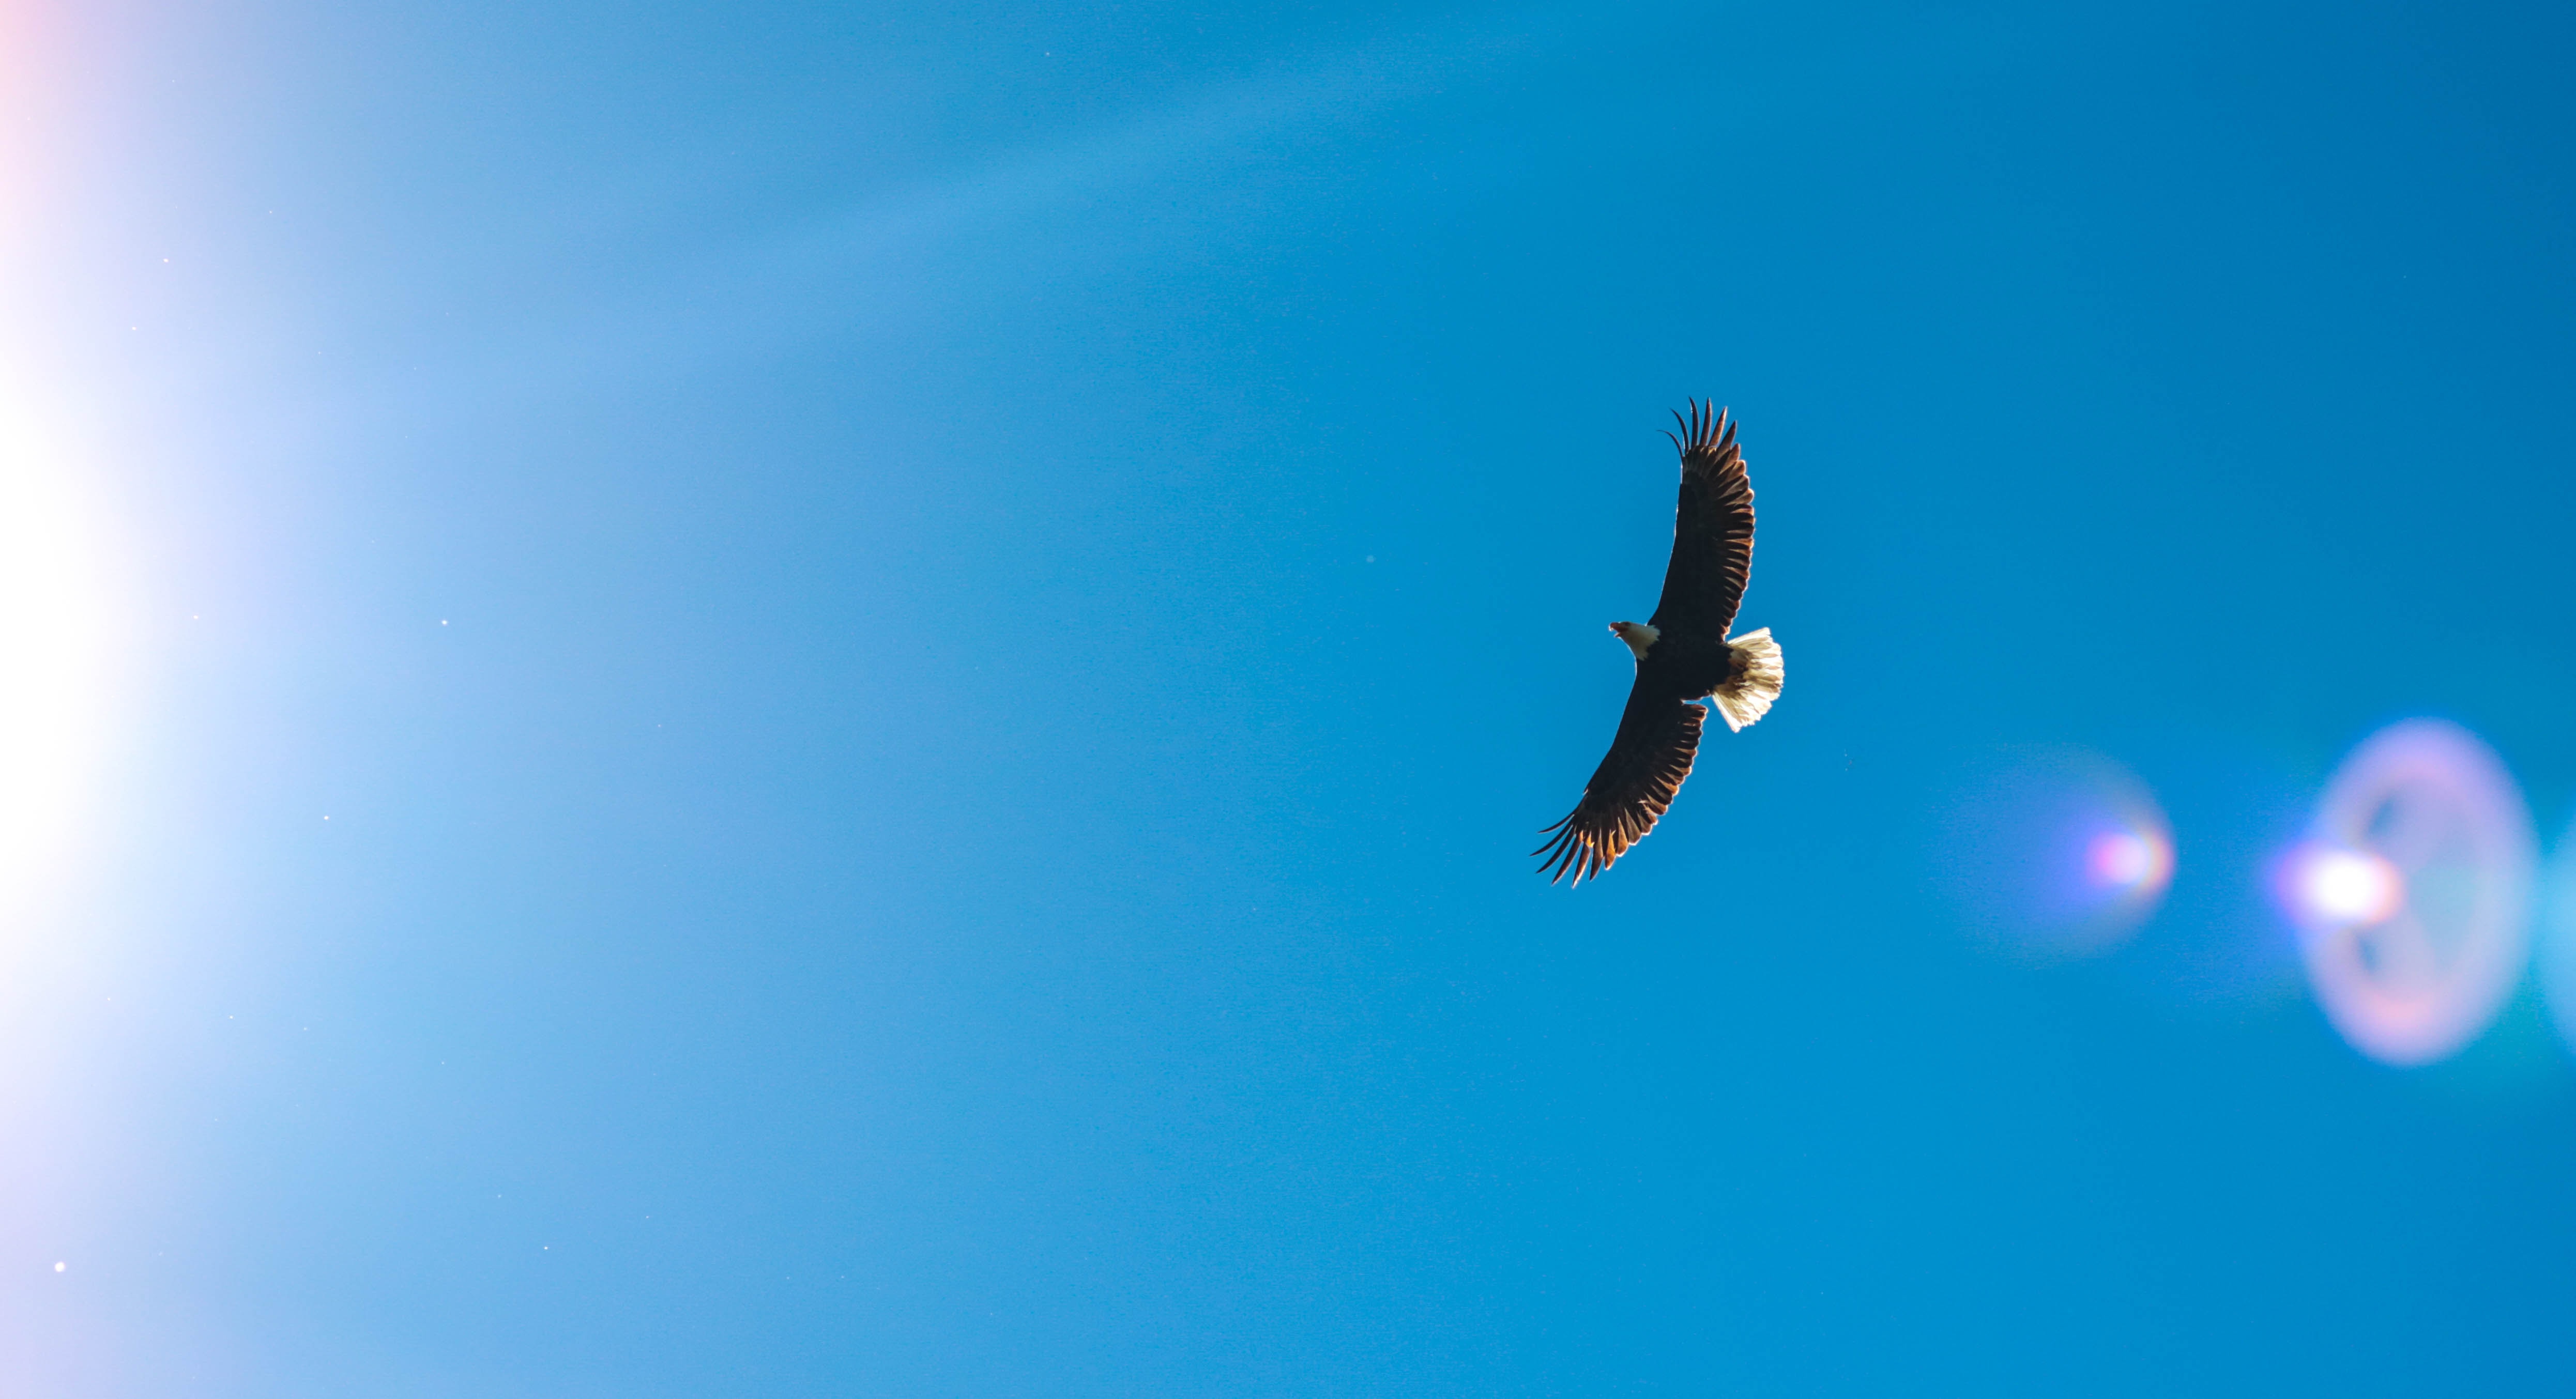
pixel 1748 697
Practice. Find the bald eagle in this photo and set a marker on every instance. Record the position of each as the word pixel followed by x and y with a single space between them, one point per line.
pixel 1683 656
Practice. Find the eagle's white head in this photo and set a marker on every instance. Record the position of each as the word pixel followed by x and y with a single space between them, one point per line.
pixel 1638 635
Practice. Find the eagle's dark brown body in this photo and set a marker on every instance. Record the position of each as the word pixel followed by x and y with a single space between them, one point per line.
pixel 1684 656
pixel 1687 665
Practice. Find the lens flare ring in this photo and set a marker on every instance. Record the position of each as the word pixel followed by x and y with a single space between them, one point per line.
pixel 2412 892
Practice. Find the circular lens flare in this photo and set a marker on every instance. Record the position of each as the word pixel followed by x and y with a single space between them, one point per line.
pixel 2411 893
pixel 2558 938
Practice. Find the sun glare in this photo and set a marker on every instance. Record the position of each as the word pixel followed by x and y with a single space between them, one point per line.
pixel 2341 888
pixel 55 628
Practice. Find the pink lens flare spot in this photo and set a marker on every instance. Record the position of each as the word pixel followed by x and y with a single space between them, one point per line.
pixel 2128 860
pixel 2055 852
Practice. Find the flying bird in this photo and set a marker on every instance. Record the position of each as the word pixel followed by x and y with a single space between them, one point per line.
pixel 1683 655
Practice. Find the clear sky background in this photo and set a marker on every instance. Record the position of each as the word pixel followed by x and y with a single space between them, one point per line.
pixel 795 700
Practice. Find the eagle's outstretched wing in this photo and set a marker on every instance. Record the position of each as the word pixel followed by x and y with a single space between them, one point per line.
pixel 1658 736
pixel 1712 529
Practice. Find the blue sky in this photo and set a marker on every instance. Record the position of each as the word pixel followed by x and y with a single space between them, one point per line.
pixel 932 639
